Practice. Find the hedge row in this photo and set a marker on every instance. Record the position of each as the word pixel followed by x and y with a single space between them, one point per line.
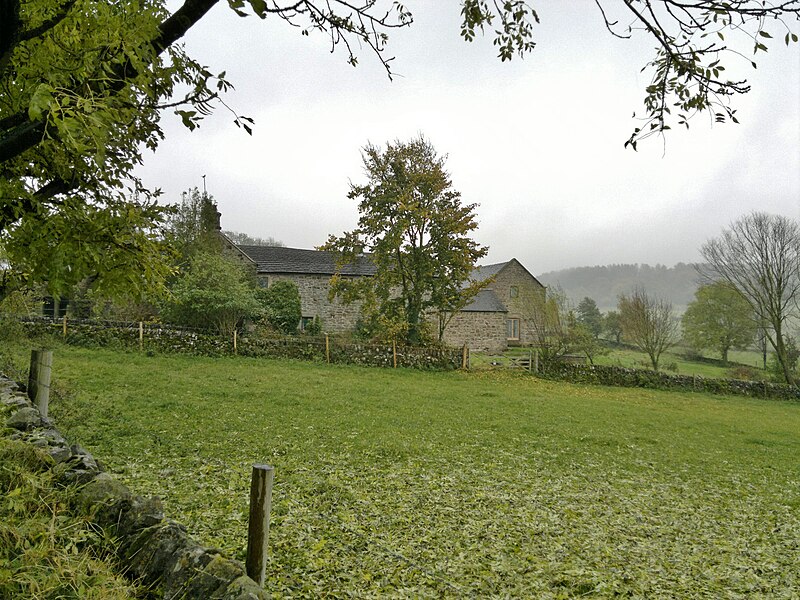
pixel 165 340
pixel 622 377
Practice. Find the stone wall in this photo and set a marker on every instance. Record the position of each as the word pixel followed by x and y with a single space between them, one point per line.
pixel 336 316
pixel 519 307
pixel 482 331
pixel 155 550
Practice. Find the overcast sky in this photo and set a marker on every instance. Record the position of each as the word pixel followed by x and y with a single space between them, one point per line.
pixel 537 143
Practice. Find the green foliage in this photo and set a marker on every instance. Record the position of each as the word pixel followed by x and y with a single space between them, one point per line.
pixel 590 316
pixel 314 327
pixel 114 246
pixel 583 340
pixel 792 356
pixel 719 319
pixel 82 85
pixel 417 233
pixel 384 487
pixel 556 329
pixel 612 325
pixel 213 292
pixel 192 225
pixel 46 552
pixel 280 304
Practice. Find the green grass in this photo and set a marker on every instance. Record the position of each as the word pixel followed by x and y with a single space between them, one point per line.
pixel 45 551
pixel 674 361
pixel 415 484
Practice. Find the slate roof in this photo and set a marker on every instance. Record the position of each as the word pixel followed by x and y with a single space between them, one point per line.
pixel 278 259
pixel 482 273
pixel 485 301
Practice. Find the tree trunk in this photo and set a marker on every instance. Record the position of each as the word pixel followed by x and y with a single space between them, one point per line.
pixel 783 359
pixel 412 314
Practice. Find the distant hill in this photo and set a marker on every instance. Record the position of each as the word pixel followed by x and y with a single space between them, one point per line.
pixel 605 283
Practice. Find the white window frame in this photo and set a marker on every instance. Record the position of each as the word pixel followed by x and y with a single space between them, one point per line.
pixel 512 327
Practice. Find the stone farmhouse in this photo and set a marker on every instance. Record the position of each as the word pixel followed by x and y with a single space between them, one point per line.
pixel 497 317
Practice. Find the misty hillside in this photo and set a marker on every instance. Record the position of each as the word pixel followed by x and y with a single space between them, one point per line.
pixel 605 283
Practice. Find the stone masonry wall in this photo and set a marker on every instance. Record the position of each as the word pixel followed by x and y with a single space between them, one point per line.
pixel 151 548
pixel 482 331
pixel 515 274
pixel 336 316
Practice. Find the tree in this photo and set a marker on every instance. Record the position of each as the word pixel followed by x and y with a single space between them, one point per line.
pixel 281 306
pixel 84 84
pixel 590 317
pixel 759 255
pixel 550 318
pixel 719 318
pixel 242 239
pixel 582 340
pixel 416 230
pixel 648 323
pixel 193 225
pixel 213 292
pixel 612 325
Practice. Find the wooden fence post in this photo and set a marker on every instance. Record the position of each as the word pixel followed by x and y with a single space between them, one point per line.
pixel 33 374
pixel 258 526
pixel 327 349
pixel 536 361
pixel 65 327
pixel 141 335
pixel 394 352
pixel 530 361
pixel 39 379
pixel 464 357
pixel 235 349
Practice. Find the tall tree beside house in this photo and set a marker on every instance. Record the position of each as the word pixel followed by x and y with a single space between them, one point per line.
pixel 648 323
pixel 193 224
pixel 719 319
pixel 417 233
pixel 214 291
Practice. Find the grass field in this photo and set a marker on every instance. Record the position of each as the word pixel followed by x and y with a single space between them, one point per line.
pixel 413 484
pixel 674 361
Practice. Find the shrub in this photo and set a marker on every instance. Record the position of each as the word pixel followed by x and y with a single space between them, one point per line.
pixel 743 373
pixel 281 305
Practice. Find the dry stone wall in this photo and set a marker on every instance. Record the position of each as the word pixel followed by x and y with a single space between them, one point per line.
pixel 156 550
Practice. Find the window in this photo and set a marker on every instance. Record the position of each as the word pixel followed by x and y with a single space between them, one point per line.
pixel 512 329
pixel 306 322
pixel 514 291
pixel 264 282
